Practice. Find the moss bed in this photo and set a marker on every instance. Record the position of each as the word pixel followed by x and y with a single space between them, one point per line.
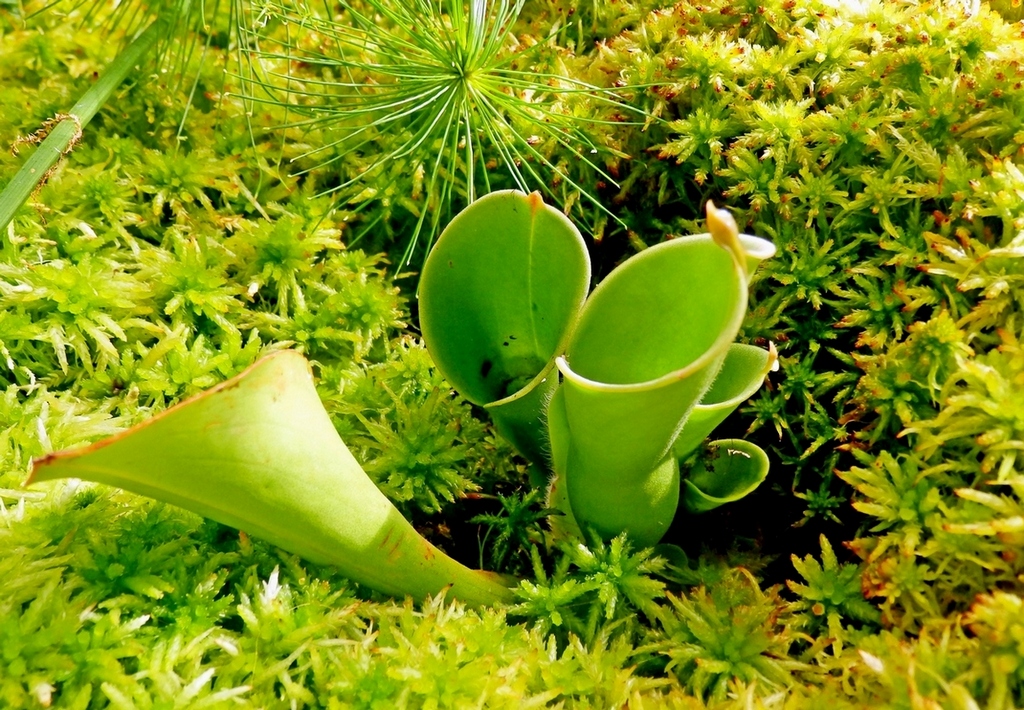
pixel 878 144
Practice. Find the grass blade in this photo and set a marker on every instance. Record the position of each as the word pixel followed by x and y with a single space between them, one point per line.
pixel 68 131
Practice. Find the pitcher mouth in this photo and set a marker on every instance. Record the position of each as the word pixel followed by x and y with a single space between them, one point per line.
pixel 727 328
pixel 41 462
pixel 717 348
pixel 771 365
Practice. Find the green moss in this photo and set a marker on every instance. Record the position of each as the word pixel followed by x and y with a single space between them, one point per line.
pixel 879 145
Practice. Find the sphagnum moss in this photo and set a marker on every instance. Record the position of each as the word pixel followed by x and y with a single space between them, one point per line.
pixel 878 145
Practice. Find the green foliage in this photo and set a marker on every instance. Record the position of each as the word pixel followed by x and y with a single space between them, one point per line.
pixel 847 136
pixel 996 620
pixel 516 530
pixel 829 595
pixel 591 588
pixel 729 631
pixel 158 287
pixel 936 668
pixel 878 144
pixel 421 445
pixel 445 92
pixel 208 617
pixel 902 384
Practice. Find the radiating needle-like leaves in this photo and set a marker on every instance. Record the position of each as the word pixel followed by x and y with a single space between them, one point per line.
pixel 439 88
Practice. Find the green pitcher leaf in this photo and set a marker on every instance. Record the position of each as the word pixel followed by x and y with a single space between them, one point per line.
pixel 742 373
pixel 499 295
pixel 564 525
pixel 260 453
pixel 731 469
pixel 519 418
pixel 644 508
pixel 648 344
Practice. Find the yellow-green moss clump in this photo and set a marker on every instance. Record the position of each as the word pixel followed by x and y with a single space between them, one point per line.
pixel 879 144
